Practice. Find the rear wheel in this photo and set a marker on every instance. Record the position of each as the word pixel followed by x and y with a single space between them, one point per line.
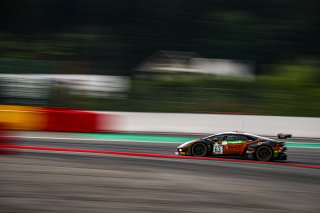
pixel 199 149
pixel 264 153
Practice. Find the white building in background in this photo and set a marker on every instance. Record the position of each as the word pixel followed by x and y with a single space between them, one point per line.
pixel 39 86
pixel 191 62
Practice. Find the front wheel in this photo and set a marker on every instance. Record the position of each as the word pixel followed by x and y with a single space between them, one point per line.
pixel 199 150
pixel 264 153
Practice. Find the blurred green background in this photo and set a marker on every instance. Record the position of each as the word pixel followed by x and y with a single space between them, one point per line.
pixel 279 38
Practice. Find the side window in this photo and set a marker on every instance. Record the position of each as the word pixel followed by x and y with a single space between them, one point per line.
pixel 250 138
pixel 229 137
pixel 246 138
pixel 219 137
pixel 232 137
pixel 222 137
pixel 242 138
pixel 235 137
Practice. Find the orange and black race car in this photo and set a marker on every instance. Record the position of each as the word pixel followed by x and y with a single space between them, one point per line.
pixel 247 145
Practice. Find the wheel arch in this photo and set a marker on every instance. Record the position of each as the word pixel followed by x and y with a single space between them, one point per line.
pixel 207 144
pixel 264 145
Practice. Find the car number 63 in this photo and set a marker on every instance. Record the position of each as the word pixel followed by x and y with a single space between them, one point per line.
pixel 218 149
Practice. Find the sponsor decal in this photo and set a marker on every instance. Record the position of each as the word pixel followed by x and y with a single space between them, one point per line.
pixel 235 147
pixel 233 142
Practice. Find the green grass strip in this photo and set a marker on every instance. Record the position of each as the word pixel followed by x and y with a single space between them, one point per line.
pixel 137 138
pixel 302 145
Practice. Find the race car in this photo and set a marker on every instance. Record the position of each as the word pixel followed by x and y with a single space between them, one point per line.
pixel 247 145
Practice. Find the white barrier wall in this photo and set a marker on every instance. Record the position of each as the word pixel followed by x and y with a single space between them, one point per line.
pixel 212 123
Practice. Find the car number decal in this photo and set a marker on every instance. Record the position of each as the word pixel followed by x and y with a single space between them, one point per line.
pixel 217 149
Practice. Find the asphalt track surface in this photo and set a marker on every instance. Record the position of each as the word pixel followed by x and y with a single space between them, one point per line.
pixel 307 156
pixel 78 182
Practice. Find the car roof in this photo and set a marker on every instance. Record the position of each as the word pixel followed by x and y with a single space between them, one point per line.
pixel 239 133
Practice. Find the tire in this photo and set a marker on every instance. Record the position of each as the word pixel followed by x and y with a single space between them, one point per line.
pixel 199 150
pixel 264 153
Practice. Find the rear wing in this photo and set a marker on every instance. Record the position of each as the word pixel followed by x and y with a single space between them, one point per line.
pixel 284 136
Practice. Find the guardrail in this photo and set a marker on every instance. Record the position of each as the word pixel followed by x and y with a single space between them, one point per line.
pixel 55 119
pixel 70 120
pixel 213 123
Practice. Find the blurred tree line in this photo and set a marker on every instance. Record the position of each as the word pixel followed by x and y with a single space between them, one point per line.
pixel 116 35
pixel 111 37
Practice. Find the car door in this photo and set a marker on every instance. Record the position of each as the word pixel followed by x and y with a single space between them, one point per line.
pixel 234 144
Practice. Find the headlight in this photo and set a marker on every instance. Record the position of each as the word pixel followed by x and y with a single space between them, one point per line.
pixel 180 150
